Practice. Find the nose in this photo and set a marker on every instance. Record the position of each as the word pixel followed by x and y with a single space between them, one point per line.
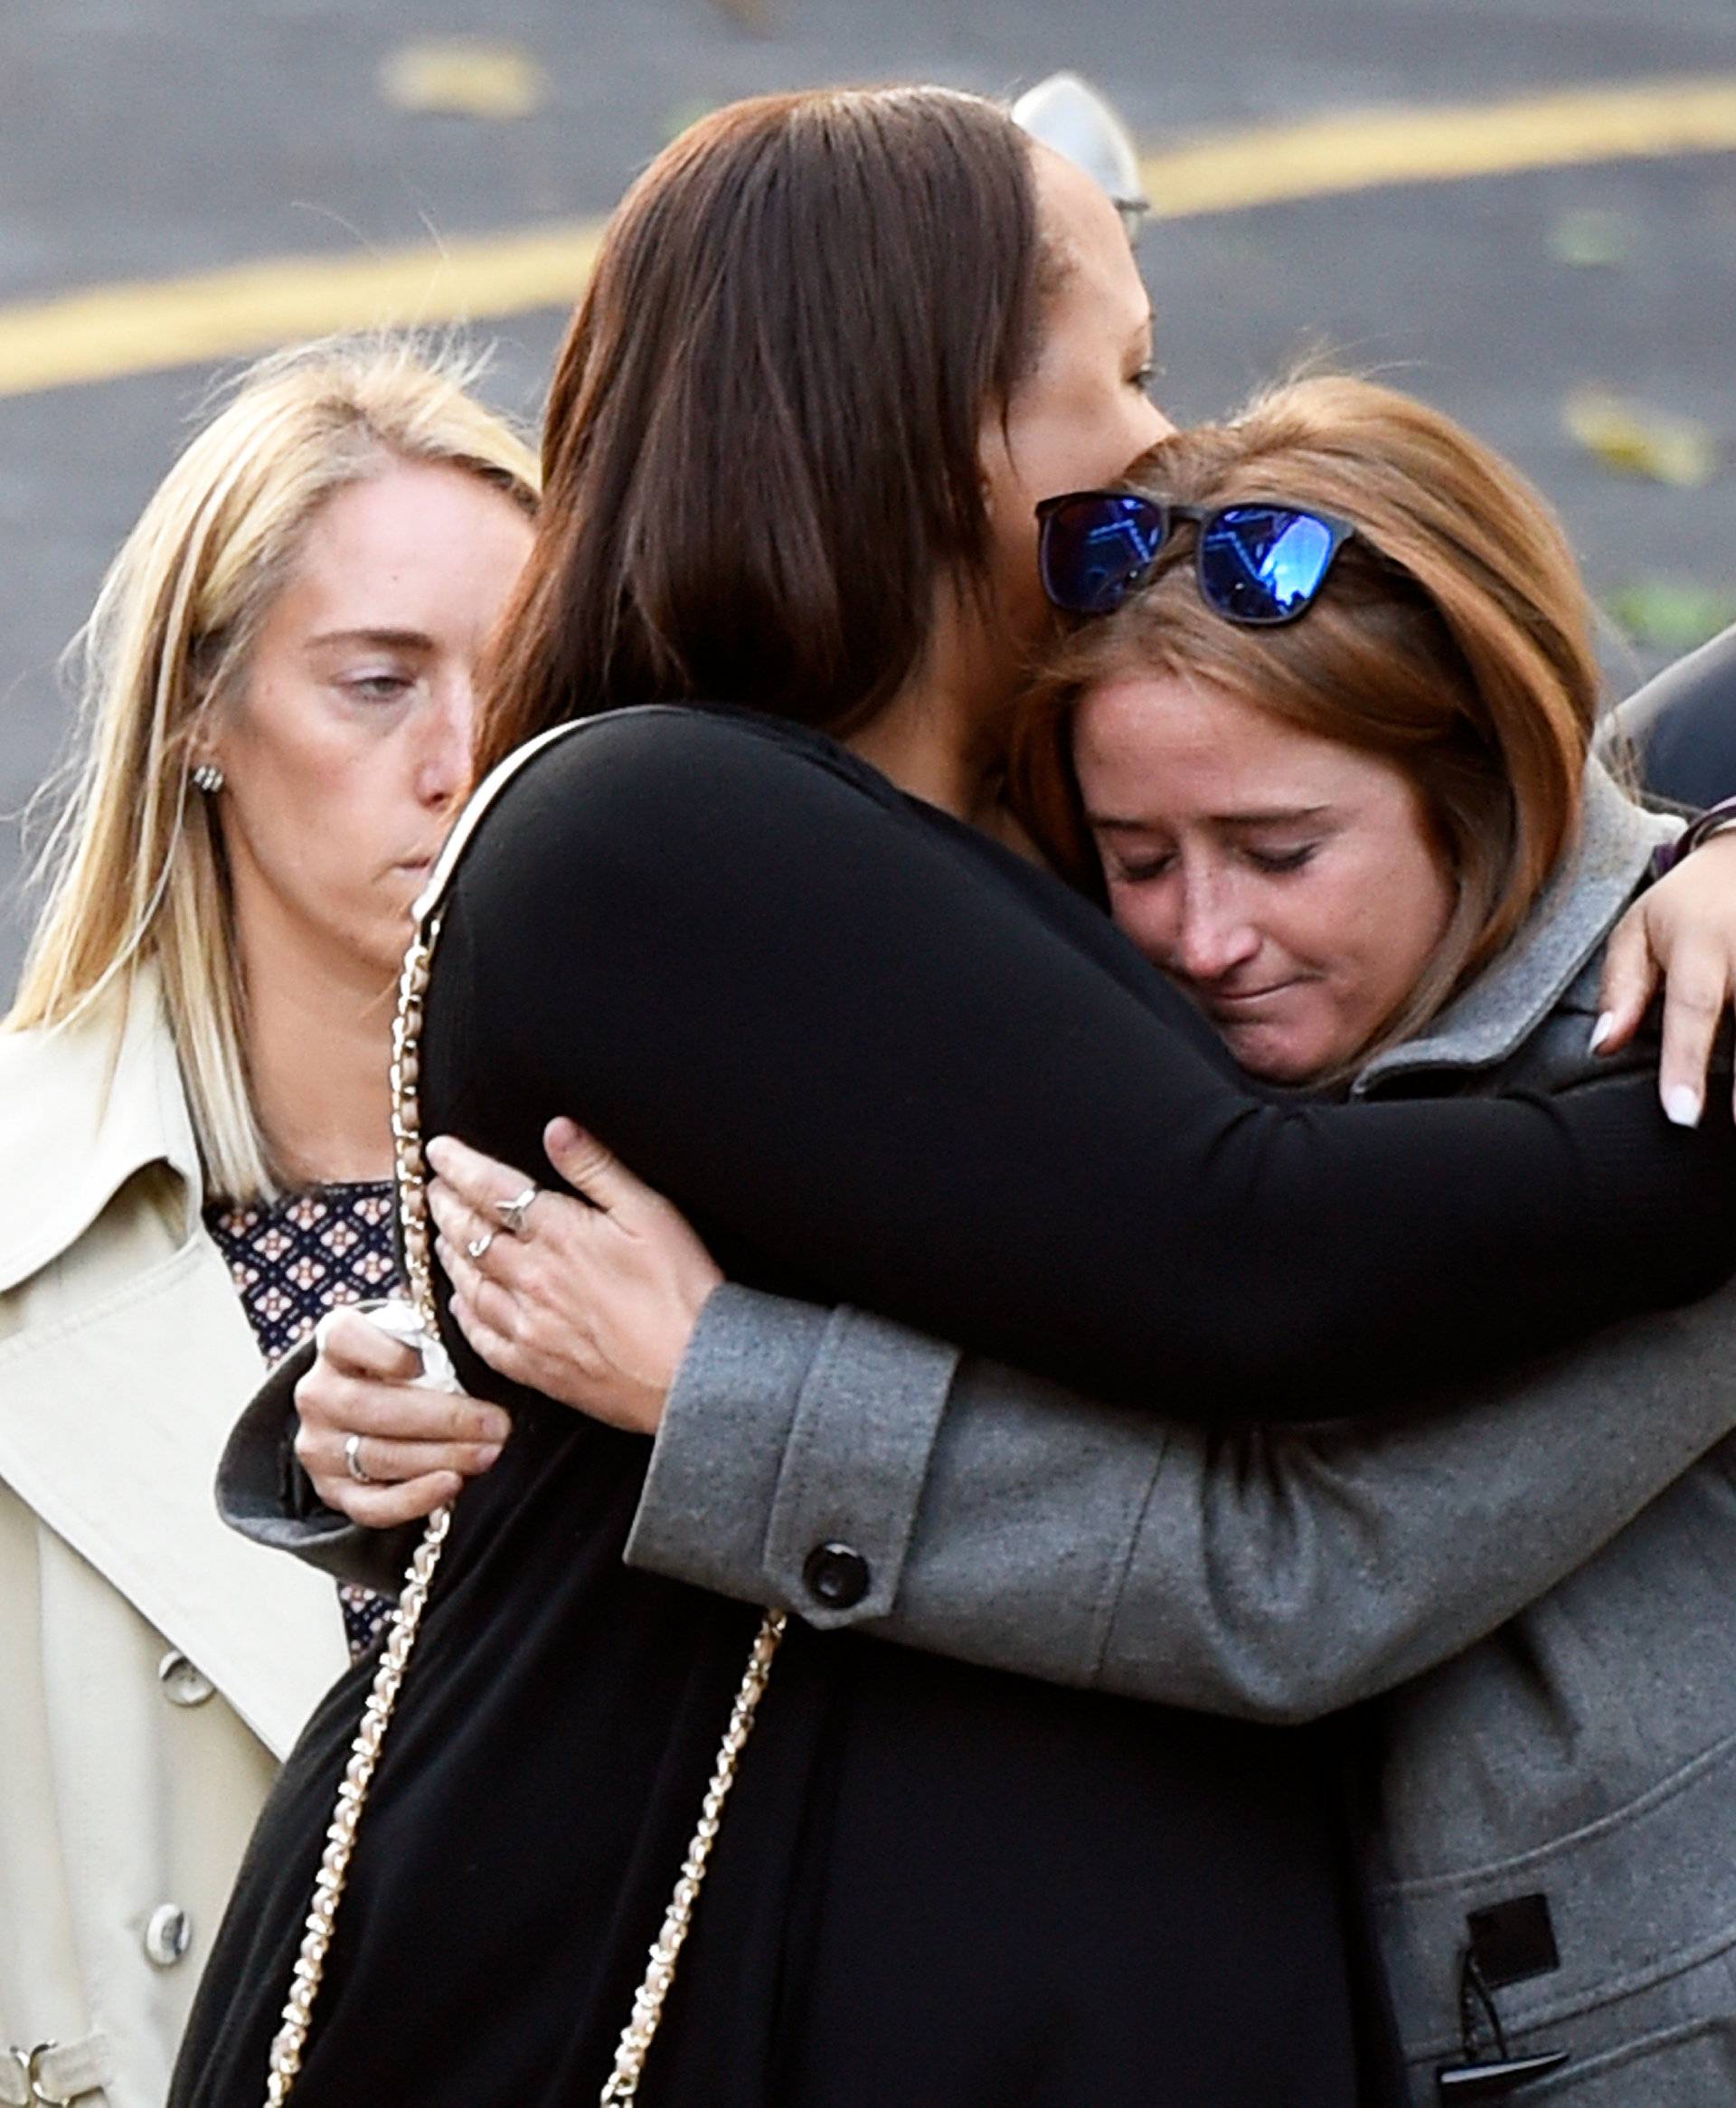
pixel 1212 938
pixel 443 761
pixel 1158 425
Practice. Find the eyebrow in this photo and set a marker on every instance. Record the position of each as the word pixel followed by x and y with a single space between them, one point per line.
pixel 400 639
pixel 1268 815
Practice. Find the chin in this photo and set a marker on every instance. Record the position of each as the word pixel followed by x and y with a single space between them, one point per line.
pixel 1277 1057
pixel 385 943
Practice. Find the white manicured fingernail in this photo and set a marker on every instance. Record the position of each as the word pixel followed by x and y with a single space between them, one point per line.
pixel 1601 1030
pixel 1682 1105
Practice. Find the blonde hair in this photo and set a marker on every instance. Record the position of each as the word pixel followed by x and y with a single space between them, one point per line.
pixel 133 864
pixel 1453 637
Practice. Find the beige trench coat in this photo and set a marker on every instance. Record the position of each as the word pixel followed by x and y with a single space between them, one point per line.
pixel 153 1664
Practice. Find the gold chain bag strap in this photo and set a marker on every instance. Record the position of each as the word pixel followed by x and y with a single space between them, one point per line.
pixel 285 2061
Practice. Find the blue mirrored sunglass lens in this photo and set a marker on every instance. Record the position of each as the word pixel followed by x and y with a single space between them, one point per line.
pixel 1094 551
pixel 1258 563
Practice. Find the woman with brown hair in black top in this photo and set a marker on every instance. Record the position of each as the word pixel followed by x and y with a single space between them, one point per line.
pixel 836 348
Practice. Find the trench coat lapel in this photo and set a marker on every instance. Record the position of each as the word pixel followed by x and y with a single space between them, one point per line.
pixel 114 1408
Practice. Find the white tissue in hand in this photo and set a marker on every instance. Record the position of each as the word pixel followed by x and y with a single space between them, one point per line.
pixel 399 1321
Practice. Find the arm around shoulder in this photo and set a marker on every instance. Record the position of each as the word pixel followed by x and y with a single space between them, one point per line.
pixel 1277 1573
pixel 866 1065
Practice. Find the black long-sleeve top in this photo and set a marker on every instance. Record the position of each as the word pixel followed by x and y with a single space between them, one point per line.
pixel 880 1059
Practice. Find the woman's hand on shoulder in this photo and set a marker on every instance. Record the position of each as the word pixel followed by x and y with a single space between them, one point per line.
pixel 1681 931
pixel 590 1301
pixel 413 1448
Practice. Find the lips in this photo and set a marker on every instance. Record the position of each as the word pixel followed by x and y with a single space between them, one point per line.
pixel 1236 1000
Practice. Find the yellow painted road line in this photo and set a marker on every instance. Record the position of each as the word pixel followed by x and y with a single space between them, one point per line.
pixel 108 332
pixel 1371 149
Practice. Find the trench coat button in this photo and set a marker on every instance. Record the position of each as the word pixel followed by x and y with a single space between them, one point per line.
pixel 167 1936
pixel 836 1576
pixel 182 1684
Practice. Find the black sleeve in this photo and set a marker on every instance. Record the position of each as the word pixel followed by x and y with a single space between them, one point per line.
pixel 1682 723
pixel 852 1051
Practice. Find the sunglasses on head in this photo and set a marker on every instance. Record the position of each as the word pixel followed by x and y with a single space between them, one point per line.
pixel 1257 562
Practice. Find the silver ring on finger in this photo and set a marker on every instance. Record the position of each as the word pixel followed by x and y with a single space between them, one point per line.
pixel 478 1248
pixel 511 1212
pixel 353 1462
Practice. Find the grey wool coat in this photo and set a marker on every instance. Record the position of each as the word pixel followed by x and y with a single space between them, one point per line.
pixel 1533 1590
pixel 1527 1592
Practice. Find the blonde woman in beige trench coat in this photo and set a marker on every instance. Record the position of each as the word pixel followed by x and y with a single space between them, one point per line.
pixel 278 721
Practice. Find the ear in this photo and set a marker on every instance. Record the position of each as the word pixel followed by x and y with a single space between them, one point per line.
pixel 205 761
pixel 202 725
pixel 1002 489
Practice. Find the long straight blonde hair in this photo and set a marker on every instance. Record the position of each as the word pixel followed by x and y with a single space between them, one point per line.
pixel 133 865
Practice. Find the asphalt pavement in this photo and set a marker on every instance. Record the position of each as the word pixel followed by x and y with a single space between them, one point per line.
pixel 146 140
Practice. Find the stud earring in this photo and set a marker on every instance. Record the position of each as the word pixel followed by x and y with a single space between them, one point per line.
pixel 208 777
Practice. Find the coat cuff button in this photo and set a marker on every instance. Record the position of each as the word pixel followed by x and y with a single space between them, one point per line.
pixel 836 1575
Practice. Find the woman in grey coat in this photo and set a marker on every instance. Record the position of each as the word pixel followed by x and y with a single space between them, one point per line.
pixel 1543 1782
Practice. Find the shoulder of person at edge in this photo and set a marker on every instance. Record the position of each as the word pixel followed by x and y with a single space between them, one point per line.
pixel 1682 725
pixel 156 1665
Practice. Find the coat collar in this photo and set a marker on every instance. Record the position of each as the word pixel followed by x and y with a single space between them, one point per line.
pixel 1505 1004
pixel 114 1409
pixel 91 1104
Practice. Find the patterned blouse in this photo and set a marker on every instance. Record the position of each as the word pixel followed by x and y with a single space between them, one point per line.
pixel 294 1259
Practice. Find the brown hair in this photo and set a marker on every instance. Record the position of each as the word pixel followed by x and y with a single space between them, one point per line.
pixel 762 442
pixel 1453 636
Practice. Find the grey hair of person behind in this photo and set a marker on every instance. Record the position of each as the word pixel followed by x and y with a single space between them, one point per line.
pixel 131 867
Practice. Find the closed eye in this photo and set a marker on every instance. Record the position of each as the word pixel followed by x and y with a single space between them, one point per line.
pixel 1282 860
pixel 1142 870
